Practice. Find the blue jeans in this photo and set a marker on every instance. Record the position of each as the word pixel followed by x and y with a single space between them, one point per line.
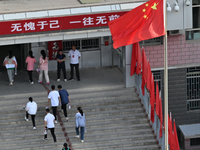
pixel 82 132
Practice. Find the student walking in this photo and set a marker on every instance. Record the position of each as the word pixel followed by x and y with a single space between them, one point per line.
pixel 54 97
pixel 65 147
pixel 64 96
pixel 75 55
pixel 61 65
pixel 49 120
pixel 30 60
pixel 43 65
pixel 10 63
pixel 80 123
pixel 31 109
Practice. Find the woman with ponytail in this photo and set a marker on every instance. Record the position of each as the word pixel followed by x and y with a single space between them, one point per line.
pixel 80 123
pixel 30 60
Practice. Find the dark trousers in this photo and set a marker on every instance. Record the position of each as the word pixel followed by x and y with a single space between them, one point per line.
pixel 77 70
pixel 54 111
pixel 64 108
pixel 30 75
pixel 82 132
pixel 61 67
pixel 32 118
pixel 52 133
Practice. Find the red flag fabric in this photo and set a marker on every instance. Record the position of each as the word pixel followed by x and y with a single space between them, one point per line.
pixel 176 143
pixel 157 100
pixel 144 70
pixel 143 22
pixel 170 135
pixel 149 77
pixel 139 62
pixel 134 59
pixel 152 98
pixel 161 116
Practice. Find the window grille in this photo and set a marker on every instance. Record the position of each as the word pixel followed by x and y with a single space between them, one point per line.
pixel 157 78
pixel 150 42
pixel 193 88
pixel 82 44
pixel 194 141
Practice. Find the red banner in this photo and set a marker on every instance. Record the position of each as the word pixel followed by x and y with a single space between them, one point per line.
pixel 53 48
pixel 58 23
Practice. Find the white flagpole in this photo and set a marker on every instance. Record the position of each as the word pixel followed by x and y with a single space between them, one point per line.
pixel 166 78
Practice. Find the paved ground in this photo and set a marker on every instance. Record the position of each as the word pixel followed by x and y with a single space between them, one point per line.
pixel 91 79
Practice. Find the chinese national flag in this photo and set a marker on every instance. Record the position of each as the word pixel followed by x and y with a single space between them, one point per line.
pixel 157 100
pixel 144 70
pixel 161 116
pixel 134 58
pixel 176 143
pixel 144 22
pixel 139 62
pixel 149 77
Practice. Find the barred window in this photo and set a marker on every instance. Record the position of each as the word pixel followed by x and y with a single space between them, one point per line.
pixel 150 42
pixel 194 141
pixel 82 44
pixel 193 88
pixel 157 78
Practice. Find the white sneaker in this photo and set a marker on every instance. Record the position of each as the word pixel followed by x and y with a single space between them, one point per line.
pixel 77 136
pixel 26 119
pixel 82 141
pixel 44 139
pixel 67 118
pixel 11 83
pixel 34 128
pixel 65 80
pixel 32 83
pixel 56 121
pixel 58 80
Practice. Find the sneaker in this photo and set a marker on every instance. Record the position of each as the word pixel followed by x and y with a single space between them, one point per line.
pixel 77 136
pixel 67 119
pixel 34 128
pixel 11 83
pixel 32 82
pixel 65 80
pixel 58 80
pixel 44 139
pixel 70 79
pixel 26 119
pixel 56 121
pixel 82 141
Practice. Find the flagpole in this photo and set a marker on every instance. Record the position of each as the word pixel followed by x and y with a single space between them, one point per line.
pixel 166 78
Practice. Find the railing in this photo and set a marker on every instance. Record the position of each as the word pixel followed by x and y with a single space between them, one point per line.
pixel 145 100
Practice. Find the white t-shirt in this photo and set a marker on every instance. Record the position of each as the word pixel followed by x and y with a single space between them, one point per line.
pixel 31 108
pixel 74 56
pixel 54 96
pixel 49 118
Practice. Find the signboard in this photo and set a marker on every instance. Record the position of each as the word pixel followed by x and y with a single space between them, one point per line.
pixel 53 48
pixel 58 23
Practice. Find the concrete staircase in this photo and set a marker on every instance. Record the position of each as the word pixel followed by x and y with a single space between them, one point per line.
pixel 114 120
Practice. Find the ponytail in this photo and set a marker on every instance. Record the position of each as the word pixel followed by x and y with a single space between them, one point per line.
pixel 80 110
pixel 31 54
pixel 31 99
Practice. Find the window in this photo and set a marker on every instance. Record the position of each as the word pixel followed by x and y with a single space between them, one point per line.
pixel 157 78
pixel 193 88
pixel 82 44
pixel 150 42
pixel 194 141
pixel 194 33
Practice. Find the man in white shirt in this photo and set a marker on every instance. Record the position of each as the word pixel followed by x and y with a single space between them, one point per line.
pixel 75 55
pixel 54 97
pixel 31 109
pixel 49 120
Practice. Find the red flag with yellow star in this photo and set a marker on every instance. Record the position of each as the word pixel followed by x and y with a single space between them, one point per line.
pixel 144 22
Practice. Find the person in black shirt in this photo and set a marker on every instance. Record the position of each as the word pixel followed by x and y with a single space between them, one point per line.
pixel 61 65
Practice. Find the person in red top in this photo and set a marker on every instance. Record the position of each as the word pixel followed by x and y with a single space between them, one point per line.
pixel 30 60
